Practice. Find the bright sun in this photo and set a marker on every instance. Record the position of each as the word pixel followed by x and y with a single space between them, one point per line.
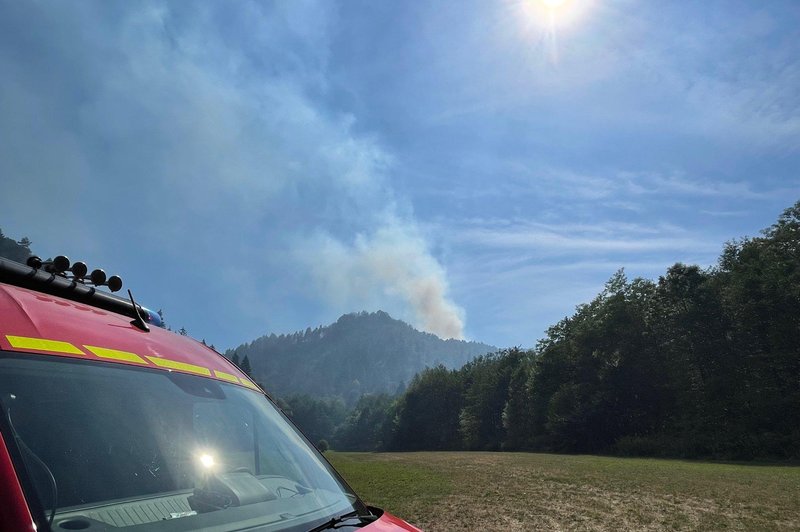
pixel 554 17
pixel 556 13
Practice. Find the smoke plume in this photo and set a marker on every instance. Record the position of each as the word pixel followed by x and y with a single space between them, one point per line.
pixel 391 266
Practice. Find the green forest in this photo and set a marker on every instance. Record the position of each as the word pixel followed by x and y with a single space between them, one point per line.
pixel 698 363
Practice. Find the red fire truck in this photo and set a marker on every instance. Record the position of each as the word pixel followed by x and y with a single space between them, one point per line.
pixel 111 422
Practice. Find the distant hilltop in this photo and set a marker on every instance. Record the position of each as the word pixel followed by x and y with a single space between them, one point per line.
pixel 360 353
pixel 18 251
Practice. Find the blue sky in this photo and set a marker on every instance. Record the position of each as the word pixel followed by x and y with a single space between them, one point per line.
pixel 476 168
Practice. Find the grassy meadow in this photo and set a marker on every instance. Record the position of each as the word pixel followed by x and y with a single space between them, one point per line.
pixel 443 491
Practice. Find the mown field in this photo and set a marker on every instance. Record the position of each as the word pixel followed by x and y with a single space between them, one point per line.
pixel 446 491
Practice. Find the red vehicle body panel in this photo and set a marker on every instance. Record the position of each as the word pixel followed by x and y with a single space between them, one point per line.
pixel 14 513
pixel 390 523
pixel 34 322
pixel 39 323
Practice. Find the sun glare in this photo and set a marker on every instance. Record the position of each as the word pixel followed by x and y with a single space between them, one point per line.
pixel 207 460
pixel 556 13
pixel 552 17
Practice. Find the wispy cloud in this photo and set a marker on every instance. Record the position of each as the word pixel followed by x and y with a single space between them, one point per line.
pixel 725 214
pixel 726 78
pixel 679 184
pixel 549 239
pixel 626 189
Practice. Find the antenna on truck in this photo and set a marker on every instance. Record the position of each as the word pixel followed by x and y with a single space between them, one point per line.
pixel 138 321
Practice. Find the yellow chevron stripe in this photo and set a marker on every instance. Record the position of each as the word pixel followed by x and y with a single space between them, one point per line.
pixel 250 384
pixel 226 376
pixel 115 354
pixel 40 344
pixel 183 366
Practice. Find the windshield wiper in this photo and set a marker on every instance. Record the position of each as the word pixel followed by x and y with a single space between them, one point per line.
pixel 24 447
pixel 335 522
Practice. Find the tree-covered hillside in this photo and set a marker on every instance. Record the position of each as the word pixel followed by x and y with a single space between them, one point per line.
pixel 13 250
pixel 359 354
pixel 699 363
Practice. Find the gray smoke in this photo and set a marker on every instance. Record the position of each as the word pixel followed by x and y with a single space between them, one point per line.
pixel 216 153
pixel 391 266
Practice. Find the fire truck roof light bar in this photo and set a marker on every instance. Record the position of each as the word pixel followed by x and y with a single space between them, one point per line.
pixel 35 276
pixel 61 266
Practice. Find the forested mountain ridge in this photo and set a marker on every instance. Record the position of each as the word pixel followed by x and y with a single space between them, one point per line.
pixel 360 353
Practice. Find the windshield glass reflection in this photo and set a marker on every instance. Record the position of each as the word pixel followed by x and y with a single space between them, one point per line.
pixel 128 446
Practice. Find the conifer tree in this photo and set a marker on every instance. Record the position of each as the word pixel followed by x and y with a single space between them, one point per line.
pixel 245 367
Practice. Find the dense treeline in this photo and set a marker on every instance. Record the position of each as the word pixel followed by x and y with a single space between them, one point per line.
pixel 700 363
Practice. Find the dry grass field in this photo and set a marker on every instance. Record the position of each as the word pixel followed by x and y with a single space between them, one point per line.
pixel 524 491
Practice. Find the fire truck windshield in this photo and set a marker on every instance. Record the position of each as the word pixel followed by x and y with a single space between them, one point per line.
pixel 106 446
